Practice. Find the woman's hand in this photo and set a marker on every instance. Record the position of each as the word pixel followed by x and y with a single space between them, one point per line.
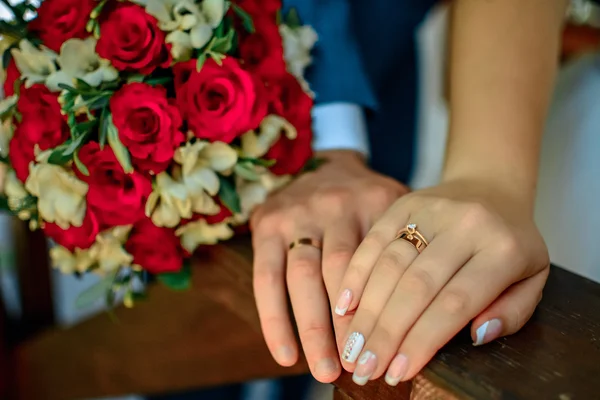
pixel 335 205
pixel 485 262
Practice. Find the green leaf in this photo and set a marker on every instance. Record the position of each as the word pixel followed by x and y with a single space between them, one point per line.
pixel 26 203
pixel 67 88
pixel 313 164
pixel 96 292
pixel 6 57
pixel 57 157
pixel 258 161
pixel 201 60
pixel 161 80
pixel 83 85
pixel 292 19
pixel 4 204
pixel 119 149
pixel 218 57
pixel 246 171
pixel 103 133
pixel 228 195
pixel 247 22
pixel 178 281
pixel 135 78
pixel 224 44
pixel 80 166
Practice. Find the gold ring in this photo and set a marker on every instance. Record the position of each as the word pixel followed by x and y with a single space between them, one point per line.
pixel 413 236
pixel 306 242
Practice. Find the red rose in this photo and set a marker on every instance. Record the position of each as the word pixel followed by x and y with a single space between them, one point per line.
pixel 259 7
pixel 82 237
pixel 295 106
pixel 12 74
pixel 116 197
pixel 41 124
pixel 60 20
pixel 131 40
pixel 220 102
pixel 148 125
pixel 155 249
pixel 262 51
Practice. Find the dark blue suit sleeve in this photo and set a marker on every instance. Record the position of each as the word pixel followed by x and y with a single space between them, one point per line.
pixel 337 73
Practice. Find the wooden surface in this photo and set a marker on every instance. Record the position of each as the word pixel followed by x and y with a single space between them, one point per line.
pixel 556 356
pixel 210 336
pixel 177 341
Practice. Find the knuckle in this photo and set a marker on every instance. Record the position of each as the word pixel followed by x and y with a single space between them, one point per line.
pixel 455 302
pixel 267 278
pixel 375 240
pixel 339 257
pixel 315 331
pixel 383 194
pixel 392 262
pixel 509 247
pixel 333 199
pixel 382 334
pixel 266 221
pixel 420 283
pixel 304 268
pixel 475 214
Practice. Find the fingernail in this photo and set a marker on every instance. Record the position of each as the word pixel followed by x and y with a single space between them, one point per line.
pixel 343 303
pixel 285 355
pixel 365 368
pixel 353 347
pixel 325 367
pixel 397 370
pixel 488 331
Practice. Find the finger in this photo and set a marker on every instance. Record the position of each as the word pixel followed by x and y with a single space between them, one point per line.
pixel 369 250
pixel 414 291
pixel 469 292
pixel 311 309
pixel 341 239
pixel 509 312
pixel 388 270
pixel 271 298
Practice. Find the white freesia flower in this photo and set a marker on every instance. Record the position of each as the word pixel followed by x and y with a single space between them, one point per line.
pixel 108 251
pixel 5 43
pixel 190 24
pixel 297 46
pixel 257 144
pixel 200 232
pixel 34 64
pixel 78 59
pixel 169 202
pixel 68 262
pixel 61 196
pixel 200 162
pixel 16 194
pixel 6 126
pixel 254 193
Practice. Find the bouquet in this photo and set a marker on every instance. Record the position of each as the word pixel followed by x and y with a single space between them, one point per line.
pixel 137 131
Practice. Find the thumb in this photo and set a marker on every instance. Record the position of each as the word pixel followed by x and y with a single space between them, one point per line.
pixel 509 312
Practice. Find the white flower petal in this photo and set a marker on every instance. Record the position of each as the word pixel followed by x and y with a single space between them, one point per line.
pixel 200 35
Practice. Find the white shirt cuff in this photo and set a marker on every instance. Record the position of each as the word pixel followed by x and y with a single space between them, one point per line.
pixel 340 126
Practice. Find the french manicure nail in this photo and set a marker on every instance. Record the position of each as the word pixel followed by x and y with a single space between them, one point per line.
pixel 353 347
pixel 343 303
pixel 488 331
pixel 397 370
pixel 367 364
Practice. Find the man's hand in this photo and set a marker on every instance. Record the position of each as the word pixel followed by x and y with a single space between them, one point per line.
pixel 336 205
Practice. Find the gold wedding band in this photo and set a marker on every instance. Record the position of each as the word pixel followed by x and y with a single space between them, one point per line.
pixel 413 236
pixel 306 242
